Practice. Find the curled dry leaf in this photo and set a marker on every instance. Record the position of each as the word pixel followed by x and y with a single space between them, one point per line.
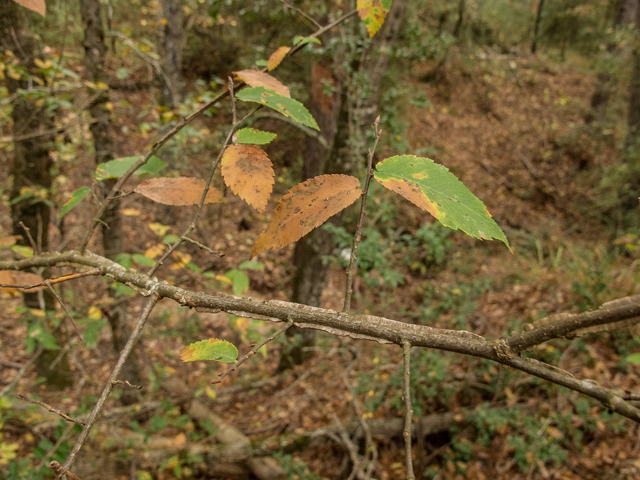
pixel 305 207
pixel 254 78
pixel 247 172
pixel 277 57
pixel 177 191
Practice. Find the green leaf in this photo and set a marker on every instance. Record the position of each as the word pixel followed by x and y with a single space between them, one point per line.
pixel 262 63
pixel 124 259
pixel 142 260
pixel 247 265
pixel 210 349
pixel 635 358
pixel 21 250
pixel 115 168
pixel 433 188
pixel 153 166
pixel 286 106
pixel 239 281
pixel 298 40
pixel 76 198
pixel 252 136
pixel 118 167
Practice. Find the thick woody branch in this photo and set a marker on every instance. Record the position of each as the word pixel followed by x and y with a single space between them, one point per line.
pixel 366 327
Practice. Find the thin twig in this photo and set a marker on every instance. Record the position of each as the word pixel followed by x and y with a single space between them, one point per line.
pixel 196 215
pixel 408 410
pixel 14 381
pixel 60 471
pixel 300 12
pixel 124 354
pixel 50 408
pixel 64 278
pixel 363 207
pixel 29 237
pixel 64 307
pixel 233 100
pixel 126 382
pixel 204 247
pixel 252 352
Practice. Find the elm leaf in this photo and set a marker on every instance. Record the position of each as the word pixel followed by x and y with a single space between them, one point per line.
pixel 210 349
pixel 286 106
pixel 76 198
pixel 433 188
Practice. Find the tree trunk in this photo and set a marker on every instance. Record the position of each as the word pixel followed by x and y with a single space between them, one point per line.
pixel 536 27
pixel 335 115
pixel 172 53
pixel 31 171
pixel 456 30
pixel 101 129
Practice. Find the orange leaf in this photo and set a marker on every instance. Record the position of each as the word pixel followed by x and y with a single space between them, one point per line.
pixel 37 6
pixel 305 207
pixel 247 172
pixel 254 78
pixel 276 57
pixel 177 191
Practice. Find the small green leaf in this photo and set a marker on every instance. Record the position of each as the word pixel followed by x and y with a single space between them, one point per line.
pixel 262 63
pixel 142 260
pixel 153 166
pixel 124 259
pixel 76 198
pixel 210 349
pixel 433 188
pixel 247 265
pixel 251 136
pixel 23 251
pixel 115 168
pixel 286 106
pixel 118 167
pixel 298 40
pixel 239 281
pixel 635 358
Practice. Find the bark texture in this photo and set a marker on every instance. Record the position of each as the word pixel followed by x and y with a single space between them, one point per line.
pixel 31 170
pixel 102 131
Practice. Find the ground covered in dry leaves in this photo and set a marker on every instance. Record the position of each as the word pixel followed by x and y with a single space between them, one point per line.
pixel 512 129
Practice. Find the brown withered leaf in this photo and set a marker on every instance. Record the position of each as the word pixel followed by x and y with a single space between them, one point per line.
pixel 247 171
pixel 305 207
pixel 277 57
pixel 254 78
pixel 37 6
pixel 177 191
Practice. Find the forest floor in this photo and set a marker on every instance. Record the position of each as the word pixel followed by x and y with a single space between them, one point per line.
pixel 512 129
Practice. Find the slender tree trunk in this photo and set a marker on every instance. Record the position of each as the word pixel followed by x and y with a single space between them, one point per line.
pixel 101 129
pixel 172 52
pixel 336 115
pixel 536 27
pixel 31 171
pixel 456 30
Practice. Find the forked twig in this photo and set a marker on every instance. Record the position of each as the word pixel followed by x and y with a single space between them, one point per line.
pixel 50 408
pixel 124 354
pixel 252 352
pixel 408 410
pixel 29 237
pixel 202 246
pixel 60 471
pixel 363 207
pixel 126 382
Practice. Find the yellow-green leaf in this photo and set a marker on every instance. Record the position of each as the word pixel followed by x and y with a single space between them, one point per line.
pixel 433 188
pixel 210 349
pixel 373 13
